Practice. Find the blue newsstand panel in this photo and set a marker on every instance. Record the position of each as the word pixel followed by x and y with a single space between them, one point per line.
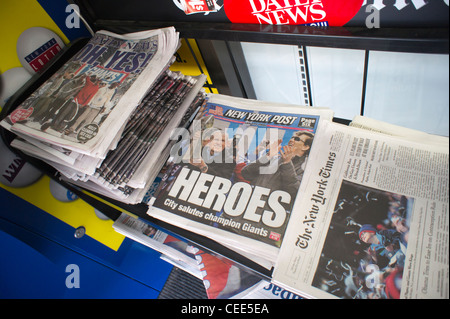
pixel 36 248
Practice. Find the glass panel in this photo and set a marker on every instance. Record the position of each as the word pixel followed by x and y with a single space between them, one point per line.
pixel 275 72
pixel 409 89
pixel 336 77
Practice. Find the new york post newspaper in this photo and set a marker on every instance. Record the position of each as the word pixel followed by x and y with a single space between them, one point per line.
pixel 235 175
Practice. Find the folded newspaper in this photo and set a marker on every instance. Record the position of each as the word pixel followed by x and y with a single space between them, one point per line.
pixel 96 91
pixel 128 171
pixel 100 119
pixel 173 250
pixel 373 218
pixel 234 177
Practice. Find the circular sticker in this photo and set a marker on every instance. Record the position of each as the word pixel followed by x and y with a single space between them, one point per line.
pixel 87 132
pixel 295 12
pixel 21 114
pixel 15 171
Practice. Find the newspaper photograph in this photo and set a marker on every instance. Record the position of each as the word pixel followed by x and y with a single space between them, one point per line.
pixel 236 174
pixel 95 91
pixel 373 219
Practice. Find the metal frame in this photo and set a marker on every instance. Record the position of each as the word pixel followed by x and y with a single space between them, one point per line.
pixel 227 67
pixel 414 40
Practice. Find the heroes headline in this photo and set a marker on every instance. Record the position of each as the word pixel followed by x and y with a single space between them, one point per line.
pixel 255 204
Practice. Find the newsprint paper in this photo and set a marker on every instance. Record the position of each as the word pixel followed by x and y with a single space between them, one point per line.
pixel 372 221
pixel 235 176
pixel 95 92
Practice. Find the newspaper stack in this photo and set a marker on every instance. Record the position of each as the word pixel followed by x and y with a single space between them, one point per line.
pixel 373 219
pixel 223 279
pixel 362 212
pixel 102 117
pixel 235 176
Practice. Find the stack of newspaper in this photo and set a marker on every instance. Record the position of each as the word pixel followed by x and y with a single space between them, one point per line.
pixel 102 117
pixel 337 211
pixel 373 218
pixel 234 177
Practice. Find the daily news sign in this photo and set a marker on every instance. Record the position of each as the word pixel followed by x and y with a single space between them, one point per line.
pixel 398 13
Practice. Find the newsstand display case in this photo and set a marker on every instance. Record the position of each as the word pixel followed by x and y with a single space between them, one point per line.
pixel 219 29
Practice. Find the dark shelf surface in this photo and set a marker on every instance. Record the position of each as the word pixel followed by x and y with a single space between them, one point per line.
pixel 415 40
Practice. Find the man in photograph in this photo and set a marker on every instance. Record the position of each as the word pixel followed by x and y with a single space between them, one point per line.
pixel 283 166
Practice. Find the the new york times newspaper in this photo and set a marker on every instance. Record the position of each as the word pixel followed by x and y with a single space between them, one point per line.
pixel 372 222
pixel 235 175
pixel 94 93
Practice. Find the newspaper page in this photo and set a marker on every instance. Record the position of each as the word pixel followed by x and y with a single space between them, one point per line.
pixel 127 170
pixel 266 290
pixel 223 279
pixel 372 221
pixel 137 170
pixel 235 176
pixel 371 124
pixel 173 248
pixel 95 91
